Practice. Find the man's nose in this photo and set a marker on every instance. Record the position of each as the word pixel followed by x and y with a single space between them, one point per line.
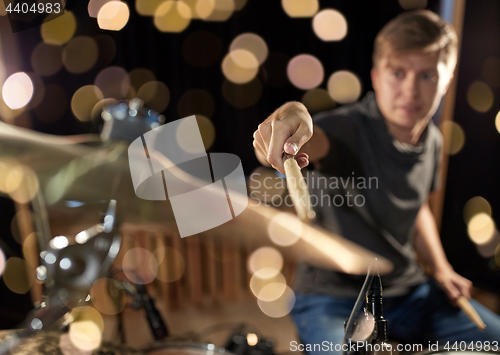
pixel 410 85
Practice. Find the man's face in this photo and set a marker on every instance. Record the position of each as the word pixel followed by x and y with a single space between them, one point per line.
pixel 409 87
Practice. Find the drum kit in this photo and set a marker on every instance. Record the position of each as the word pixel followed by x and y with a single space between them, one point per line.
pixel 96 173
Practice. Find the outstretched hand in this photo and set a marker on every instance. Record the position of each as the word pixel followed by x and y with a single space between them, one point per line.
pixel 453 284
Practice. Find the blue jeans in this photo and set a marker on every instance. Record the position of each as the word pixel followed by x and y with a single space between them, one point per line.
pixel 422 317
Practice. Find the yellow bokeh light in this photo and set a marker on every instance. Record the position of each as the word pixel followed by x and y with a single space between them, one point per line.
pixel 80 54
pixel 344 87
pixel 215 10
pixel 456 137
pixel 284 229
pixel 497 122
pixel 113 16
pixel 114 82
pixel 172 16
pixel 497 255
pixel 187 138
pixel 475 206
pixel 330 25
pixel 98 107
pixel 85 332
pixel 21 183
pixel 17 90
pixel 2 262
pixel 95 5
pixel 252 43
pixel 265 257
pixel 108 296
pixel 252 339
pixel 480 96
pixel 140 266
pixel 3 10
pixel 147 7
pixel 58 30
pixel 300 8
pixel 155 95
pixel 172 265
pixel 240 66
pixel 413 4
pixel 46 59
pixel 258 283
pixel 279 307
pixel 140 76
pixel 84 100
pixel 239 4
pixel 481 228
pixel 305 71
pixel 207 130
pixel 318 100
pixel 30 250
pixel 18 275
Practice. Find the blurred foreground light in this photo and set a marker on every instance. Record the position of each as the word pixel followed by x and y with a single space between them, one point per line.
pixel 140 266
pixel 480 96
pixel 265 257
pixel 330 25
pixel 300 8
pixel 58 30
pixel 187 138
pixel 252 43
pixel 413 4
pixel 95 115
pixel 344 87
pixel 18 275
pixel 21 183
pixel 456 136
pixel 497 122
pixel 147 7
pixel 2 262
pixel 172 16
pixel 481 228
pixel 30 249
pixel 17 90
pixel 318 100
pixel 155 95
pixel 265 277
pixel 85 332
pixel 108 296
pixel 284 229
pixel 215 10
pixel 240 66
pixel 475 206
pixel 80 54
pixel 171 266
pixel 95 5
pixel 59 242
pixel 305 71
pixel 279 307
pixel 207 130
pixel 113 81
pixel 46 59
pixel 252 339
pixel 84 100
pixel 113 16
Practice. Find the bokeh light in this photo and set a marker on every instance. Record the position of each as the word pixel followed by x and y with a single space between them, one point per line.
pixel 196 101
pixel 475 206
pixel 84 100
pixel 172 16
pixel 481 228
pixel 80 54
pixel 85 332
pixel 497 255
pixel 155 95
pixel 172 265
pixel 113 16
pixel 59 242
pixel 265 257
pixel 38 90
pixel 98 107
pixel 140 266
pixel 480 96
pixel 187 138
pixel 108 296
pixel 95 5
pixel 201 49
pixel 252 43
pixel 258 284
pixel 107 49
pixel 265 185
pixel 279 307
pixel 305 71
pixel 2 262
pixel 58 30
pixel 300 8
pixel 497 122
pixel 53 105
pixel 207 130
pixel 215 10
pixel 140 76
pixel 147 7
pixel 274 69
pixel 413 4
pixel 239 4
pixel 46 59
pixel 18 275
pixel 487 250
pixel 30 250
pixel 240 66
pixel 22 218
pixel 456 137
pixel 284 229
pixel 67 347
pixel 330 25
pixel 21 183
pixel 491 71
pixel 344 87
pixel 242 96
pixel 113 81
pixel 17 90
pixel 318 100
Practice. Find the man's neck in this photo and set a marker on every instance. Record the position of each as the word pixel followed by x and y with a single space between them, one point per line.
pixel 406 135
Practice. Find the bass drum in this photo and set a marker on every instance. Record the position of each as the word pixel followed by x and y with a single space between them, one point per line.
pixel 58 343
pixel 185 349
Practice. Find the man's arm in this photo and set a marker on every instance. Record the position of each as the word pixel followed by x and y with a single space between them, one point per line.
pixel 289 129
pixel 430 251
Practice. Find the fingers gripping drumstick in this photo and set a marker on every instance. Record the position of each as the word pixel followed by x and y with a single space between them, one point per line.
pixel 297 188
pixel 467 308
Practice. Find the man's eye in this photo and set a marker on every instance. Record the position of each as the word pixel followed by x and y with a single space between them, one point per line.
pixel 427 76
pixel 398 74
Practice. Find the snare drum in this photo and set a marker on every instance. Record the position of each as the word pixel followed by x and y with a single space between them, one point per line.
pixel 186 349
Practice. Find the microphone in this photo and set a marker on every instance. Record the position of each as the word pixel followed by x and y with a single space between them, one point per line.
pixel 155 321
pixel 374 306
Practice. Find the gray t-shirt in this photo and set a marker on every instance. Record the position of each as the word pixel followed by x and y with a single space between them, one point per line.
pixel 369 189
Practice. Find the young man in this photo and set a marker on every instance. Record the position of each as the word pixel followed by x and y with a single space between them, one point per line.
pixel 388 138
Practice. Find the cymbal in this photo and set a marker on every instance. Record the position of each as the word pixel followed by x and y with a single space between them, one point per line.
pixel 90 175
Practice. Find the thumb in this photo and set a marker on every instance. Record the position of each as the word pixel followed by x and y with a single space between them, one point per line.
pixel 297 140
pixel 291 148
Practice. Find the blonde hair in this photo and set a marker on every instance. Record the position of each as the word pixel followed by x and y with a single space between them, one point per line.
pixel 417 31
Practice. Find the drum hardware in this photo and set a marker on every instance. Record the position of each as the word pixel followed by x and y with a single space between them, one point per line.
pixel 240 343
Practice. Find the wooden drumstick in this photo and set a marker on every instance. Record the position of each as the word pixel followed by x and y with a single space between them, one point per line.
pixel 297 188
pixel 467 308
